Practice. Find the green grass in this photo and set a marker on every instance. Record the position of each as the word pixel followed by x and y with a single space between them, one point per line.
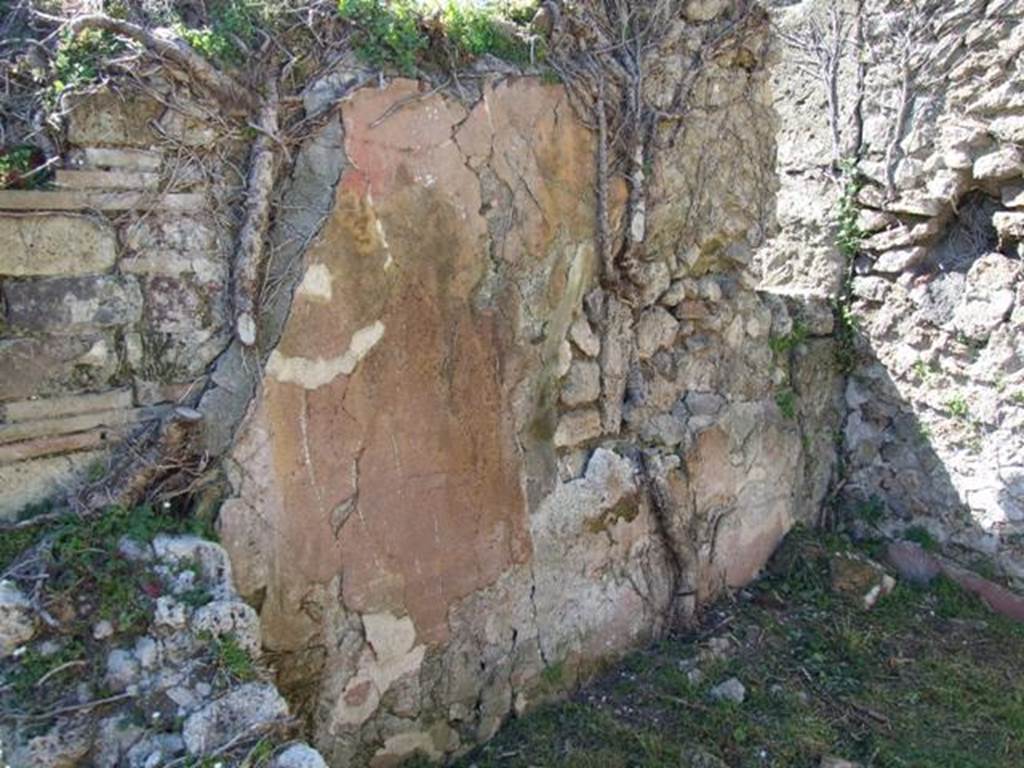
pixel 958 407
pixel 930 678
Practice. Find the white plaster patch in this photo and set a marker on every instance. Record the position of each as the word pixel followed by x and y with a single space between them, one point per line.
pixel 313 374
pixel 316 283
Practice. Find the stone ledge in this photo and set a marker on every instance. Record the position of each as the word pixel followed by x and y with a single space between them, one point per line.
pixel 107 179
pixel 52 407
pixel 58 445
pixel 122 159
pixel 65 425
pixel 31 200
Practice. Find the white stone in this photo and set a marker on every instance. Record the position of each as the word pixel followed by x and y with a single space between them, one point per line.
pixel 1005 163
pixel 17 619
pixel 582 384
pixel 239 711
pixel 656 329
pixel 229 618
pixel 584 338
pixel 731 690
pixel 122 670
pixel 298 756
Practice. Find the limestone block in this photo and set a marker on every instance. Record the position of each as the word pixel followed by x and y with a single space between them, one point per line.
pixel 31 482
pixel 298 756
pixel 34 200
pixel 66 305
pixel 1009 128
pixel 71 179
pixel 123 159
pixel 46 365
pixel 113 118
pixel 49 408
pixel 55 244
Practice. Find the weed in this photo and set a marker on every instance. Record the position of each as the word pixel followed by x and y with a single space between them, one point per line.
pixel 33 666
pixel 385 33
pixel 403 34
pixel 474 31
pixel 232 25
pixel 922 371
pixel 781 345
pixel 786 401
pixel 16 167
pixel 80 58
pixel 957 406
pixel 920 535
pixel 845 335
pixel 871 511
pixel 231 658
pixel 1017 398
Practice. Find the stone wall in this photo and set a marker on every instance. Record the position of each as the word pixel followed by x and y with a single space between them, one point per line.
pixel 472 474
pixel 112 285
pixel 934 435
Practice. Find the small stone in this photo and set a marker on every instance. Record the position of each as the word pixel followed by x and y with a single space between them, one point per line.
pixel 583 383
pixel 731 690
pixel 1006 163
pixel 893 262
pixel 238 711
pixel 233 618
pixel 298 756
pixel 699 758
pixel 656 329
pixel 169 614
pixel 911 562
pixel 102 630
pixel 122 670
pixel 655 280
pixel 704 10
pixel 577 427
pixel 584 338
pixel 1009 226
pixel 17 619
pixel 860 578
pixel 831 761
pixel 147 652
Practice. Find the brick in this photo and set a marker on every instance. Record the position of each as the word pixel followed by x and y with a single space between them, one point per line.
pixel 107 180
pixel 66 425
pixel 55 244
pixel 51 407
pixel 32 200
pixel 67 305
pixel 59 445
pixel 123 159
